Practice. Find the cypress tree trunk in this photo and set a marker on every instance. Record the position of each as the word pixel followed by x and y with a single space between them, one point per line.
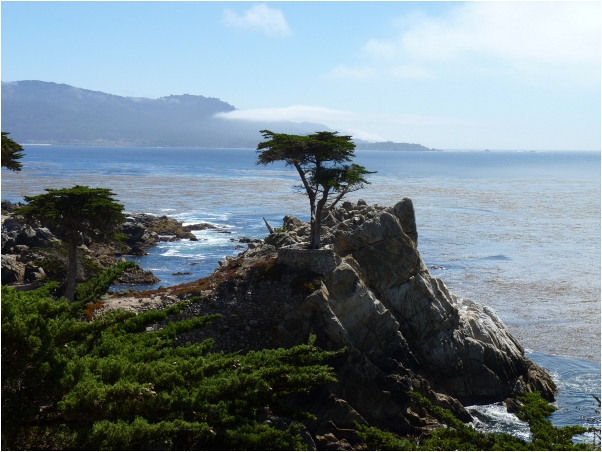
pixel 316 220
pixel 71 267
pixel 316 225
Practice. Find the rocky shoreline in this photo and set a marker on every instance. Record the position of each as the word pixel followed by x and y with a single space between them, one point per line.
pixel 33 254
pixel 367 291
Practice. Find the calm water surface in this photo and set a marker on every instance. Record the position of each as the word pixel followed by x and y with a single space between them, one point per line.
pixel 517 231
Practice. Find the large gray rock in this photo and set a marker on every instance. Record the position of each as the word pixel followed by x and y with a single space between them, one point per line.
pixel 10 224
pixel 8 242
pixel 35 237
pixel 404 211
pixel 386 255
pixel 381 301
pixel 33 273
pixel 463 347
pixel 133 230
pixel 137 276
pixel 13 271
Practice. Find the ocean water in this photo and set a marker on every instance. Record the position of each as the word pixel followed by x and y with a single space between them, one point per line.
pixel 517 231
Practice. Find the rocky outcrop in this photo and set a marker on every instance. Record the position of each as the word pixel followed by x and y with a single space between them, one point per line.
pixel 143 231
pixel 381 299
pixel 369 292
pixel 22 246
pixel 32 253
pixel 137 276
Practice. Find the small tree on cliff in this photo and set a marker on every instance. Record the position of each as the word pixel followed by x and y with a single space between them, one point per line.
pixel 11 153
pixel 321 159
pixel 79 209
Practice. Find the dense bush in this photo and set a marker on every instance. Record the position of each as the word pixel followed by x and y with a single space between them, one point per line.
pixel 108 384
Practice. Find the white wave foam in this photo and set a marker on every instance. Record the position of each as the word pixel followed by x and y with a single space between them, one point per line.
pixel 495 418
pixel 180 253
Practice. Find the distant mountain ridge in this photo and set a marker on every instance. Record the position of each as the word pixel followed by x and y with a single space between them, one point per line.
pixel 390 146
pixel 52 113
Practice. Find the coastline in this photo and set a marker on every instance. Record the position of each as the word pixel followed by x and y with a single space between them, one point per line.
pixel 161 298
pixel 502 228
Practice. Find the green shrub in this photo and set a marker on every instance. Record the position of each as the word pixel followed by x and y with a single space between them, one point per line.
pixel 93 289
pixel 382 440
pixel 107 384
pixel 545 436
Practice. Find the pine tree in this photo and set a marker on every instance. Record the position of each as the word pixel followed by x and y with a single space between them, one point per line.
pixel 80 209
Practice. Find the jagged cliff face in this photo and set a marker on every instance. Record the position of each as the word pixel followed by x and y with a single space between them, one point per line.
pixel 402 328
pixel 388 305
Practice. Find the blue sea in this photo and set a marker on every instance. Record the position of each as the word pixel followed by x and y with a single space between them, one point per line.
pixel 517 231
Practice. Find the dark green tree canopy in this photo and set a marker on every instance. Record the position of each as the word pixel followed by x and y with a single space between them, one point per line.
pixel 92 211
pixel 323 161
pixel 78 209
pixel 11 153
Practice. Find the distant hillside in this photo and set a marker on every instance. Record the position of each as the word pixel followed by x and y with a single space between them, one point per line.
pixel 52 113
pixel 390 146
pixel 44 112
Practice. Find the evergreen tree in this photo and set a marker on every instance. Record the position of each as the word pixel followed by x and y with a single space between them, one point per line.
pixel 11 153
pixel 80 209
pixel 321 159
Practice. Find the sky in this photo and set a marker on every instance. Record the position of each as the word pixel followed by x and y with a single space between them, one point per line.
pixel 447 75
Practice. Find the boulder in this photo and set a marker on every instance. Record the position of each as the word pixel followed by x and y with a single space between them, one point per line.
pixel 13 271
pixel 291 222
pixel 8 243
pixel 137 276
pixel 8 206
pixel 35 237
pixel 10 224
pixel 133 230
pixel 34 273
pixel 404 211
pixel 387 256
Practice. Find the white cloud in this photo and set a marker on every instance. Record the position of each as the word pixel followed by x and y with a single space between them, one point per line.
pixel 363 135
pixel 259 18
pixel 562 32
pixel 295 113
pixel 332 117
pixel 431 131
pixel 531 41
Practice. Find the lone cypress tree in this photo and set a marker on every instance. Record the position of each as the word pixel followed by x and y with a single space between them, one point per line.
pixel 321 159
pixel 79 209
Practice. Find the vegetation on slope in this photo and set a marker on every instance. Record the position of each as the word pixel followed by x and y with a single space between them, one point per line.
pixel 71 384
pixel 109 384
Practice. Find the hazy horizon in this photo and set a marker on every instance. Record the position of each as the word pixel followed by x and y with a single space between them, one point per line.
pixel 446 75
